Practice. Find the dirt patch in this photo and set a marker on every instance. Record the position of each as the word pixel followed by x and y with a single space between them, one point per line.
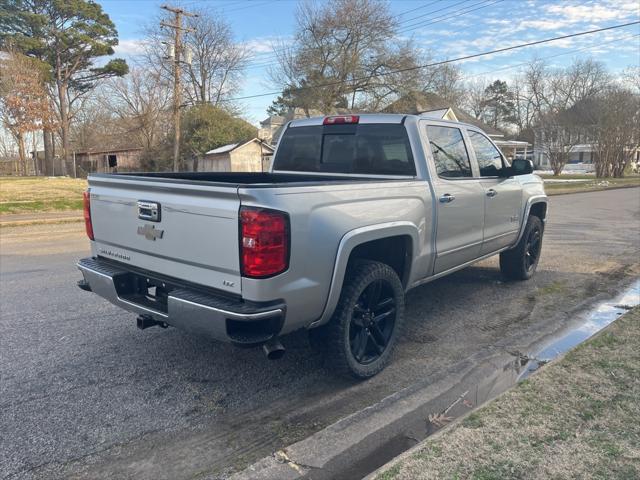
pixel 577 418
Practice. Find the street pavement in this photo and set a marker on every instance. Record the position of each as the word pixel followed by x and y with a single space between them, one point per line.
pixel 85 394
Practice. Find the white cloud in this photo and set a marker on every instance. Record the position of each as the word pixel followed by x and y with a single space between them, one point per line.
pixel 262 45
pixel 595 12
pixel 545 24
pixel 130 47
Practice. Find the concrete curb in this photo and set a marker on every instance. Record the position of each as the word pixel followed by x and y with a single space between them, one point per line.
pixel 368 436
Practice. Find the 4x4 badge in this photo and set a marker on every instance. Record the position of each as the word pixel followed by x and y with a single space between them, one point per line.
pixel 150 232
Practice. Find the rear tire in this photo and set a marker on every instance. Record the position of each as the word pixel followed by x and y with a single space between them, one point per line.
pixel 367 322
pixel 520 262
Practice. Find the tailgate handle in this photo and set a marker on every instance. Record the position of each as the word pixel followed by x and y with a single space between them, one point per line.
pixel 149 211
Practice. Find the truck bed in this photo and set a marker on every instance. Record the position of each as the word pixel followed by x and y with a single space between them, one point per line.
pixel 254 179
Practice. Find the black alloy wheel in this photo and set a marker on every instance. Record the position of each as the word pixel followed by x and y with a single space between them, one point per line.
pixel 532 248
pixel 372 322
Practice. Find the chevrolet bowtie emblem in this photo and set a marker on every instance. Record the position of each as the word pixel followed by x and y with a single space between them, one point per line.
pixel 150 232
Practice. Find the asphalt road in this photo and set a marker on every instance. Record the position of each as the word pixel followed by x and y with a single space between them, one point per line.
pixel 84 394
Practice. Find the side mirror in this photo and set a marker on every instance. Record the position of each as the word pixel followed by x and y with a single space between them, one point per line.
pixel 521 166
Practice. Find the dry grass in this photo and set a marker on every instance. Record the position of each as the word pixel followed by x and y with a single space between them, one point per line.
pixel 40 194
pixel 577 419
pixel 590 185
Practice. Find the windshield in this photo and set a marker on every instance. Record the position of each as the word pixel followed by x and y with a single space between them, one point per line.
pixel 374 149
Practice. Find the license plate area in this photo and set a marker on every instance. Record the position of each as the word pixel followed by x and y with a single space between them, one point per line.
pixel 142 290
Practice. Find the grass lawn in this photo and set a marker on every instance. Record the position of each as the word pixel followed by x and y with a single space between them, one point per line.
pixel 568 176
pixel 40 194
pixel 590 184
pixel 577 418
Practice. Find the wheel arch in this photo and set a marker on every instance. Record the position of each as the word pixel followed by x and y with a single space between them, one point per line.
pixel 536 205
pixel 379 242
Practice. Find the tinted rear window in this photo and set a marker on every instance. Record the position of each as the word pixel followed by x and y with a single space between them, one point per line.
pixel 376 149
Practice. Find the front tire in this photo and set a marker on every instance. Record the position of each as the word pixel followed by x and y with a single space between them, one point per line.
pixel 367 322
pixel 520 262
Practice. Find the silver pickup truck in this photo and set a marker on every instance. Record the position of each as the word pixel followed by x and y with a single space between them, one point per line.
pixel 357 210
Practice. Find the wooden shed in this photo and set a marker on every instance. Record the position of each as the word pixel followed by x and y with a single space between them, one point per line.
pixel 251 156
pixel 118 159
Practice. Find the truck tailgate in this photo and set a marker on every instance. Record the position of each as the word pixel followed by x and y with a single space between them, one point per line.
pixel 195 237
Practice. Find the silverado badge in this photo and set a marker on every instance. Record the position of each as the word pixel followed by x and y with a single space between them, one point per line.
pixel 150 232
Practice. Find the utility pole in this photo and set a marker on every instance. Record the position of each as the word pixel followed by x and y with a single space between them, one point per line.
pixel 177 87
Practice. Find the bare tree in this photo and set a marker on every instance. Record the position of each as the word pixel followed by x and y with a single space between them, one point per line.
pixel 525 112
pixel 543 90
pixel 631 79
pixel 582 80
pixel 344 56
pixel 443 80
pixel 547 101
pixel 217 62
pixel 140 103
pixel 558 136
pixel 214 62
pixel 616 132
pixel 475 97
pixel 95 127
pixel 535 79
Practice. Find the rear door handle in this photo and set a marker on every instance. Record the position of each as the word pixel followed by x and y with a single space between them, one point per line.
pixel 491 193
pixel 447 198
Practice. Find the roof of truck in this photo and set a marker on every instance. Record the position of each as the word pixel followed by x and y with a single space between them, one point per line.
pixel 368 118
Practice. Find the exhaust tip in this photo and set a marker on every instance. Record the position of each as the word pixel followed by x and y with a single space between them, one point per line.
pixel 84 285
pixel 273 349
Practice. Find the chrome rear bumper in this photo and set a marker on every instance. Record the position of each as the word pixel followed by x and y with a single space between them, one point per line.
pixel 219 317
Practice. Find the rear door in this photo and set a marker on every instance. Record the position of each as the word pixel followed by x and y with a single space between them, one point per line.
pixel 503 195
pixel 460 197
pixel 181 229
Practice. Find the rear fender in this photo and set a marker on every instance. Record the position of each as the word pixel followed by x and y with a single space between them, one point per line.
pixel 350 241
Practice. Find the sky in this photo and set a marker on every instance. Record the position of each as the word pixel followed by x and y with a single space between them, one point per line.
pixel 447 28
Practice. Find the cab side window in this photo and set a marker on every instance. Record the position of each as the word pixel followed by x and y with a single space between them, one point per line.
pixel 449 152
pixel 488 156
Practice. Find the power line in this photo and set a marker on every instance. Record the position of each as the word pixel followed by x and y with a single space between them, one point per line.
pixel 442 18
pixel 435 11
pixel 442 62
pixel 570 52
pixel 417 8
pixel 273 56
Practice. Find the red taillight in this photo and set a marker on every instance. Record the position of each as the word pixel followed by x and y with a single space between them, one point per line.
pixel 264 242
pixel 341 119
pixel 86 202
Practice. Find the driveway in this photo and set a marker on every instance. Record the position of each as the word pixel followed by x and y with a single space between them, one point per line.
pixel 84 394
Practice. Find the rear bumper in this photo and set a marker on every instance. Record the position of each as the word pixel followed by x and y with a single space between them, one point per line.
pixel 222 318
